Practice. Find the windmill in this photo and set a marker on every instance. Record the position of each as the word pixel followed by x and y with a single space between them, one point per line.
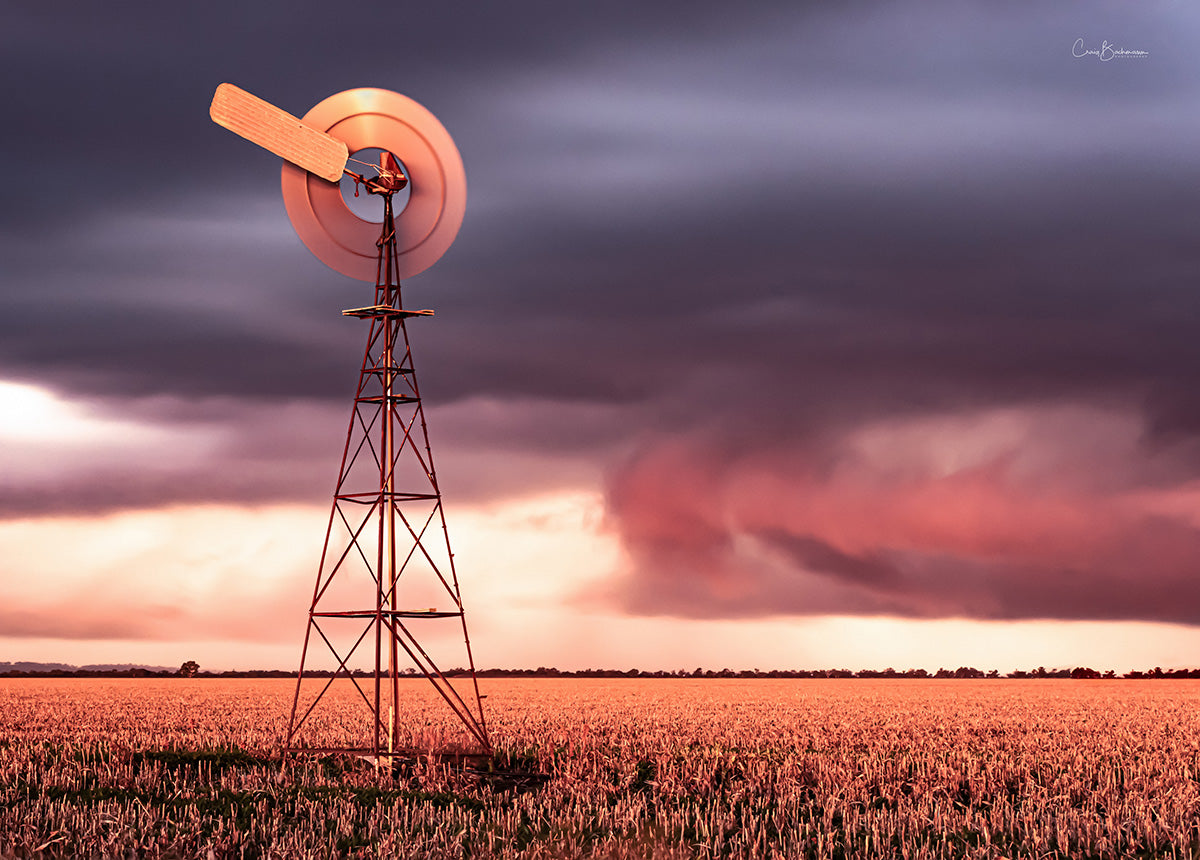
pixel 387 572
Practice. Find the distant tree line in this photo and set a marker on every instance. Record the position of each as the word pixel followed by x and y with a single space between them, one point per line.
pixel 191 669
pixel 1080 672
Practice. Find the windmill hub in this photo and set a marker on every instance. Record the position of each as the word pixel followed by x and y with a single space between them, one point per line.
pixel 388 179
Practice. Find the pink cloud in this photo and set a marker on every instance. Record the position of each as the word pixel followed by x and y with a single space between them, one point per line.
pixel 1004 514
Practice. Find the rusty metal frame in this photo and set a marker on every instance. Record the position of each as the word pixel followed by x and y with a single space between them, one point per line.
pixel 386 386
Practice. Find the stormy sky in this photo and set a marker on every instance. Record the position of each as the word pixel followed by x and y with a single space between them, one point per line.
pixel 761 318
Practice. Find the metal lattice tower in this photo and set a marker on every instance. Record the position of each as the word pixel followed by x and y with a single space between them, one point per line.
pixel 387 530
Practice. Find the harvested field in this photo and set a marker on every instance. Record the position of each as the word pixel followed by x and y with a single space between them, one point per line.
pixel 639 768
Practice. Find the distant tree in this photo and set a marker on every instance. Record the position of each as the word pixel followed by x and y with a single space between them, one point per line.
pixel 993 673
pixel 189 669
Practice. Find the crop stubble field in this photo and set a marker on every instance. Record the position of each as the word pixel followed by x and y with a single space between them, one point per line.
pixel 638 768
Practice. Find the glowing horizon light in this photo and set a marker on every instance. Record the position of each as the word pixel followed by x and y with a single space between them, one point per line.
pixel 44 435
pixel 31 413
pixel 28 412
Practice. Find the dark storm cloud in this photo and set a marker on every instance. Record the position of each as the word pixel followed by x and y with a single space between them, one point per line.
pixel 688 229
pixel 622 178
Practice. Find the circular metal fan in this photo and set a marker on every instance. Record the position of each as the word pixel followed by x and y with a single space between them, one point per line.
pixel 316 148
